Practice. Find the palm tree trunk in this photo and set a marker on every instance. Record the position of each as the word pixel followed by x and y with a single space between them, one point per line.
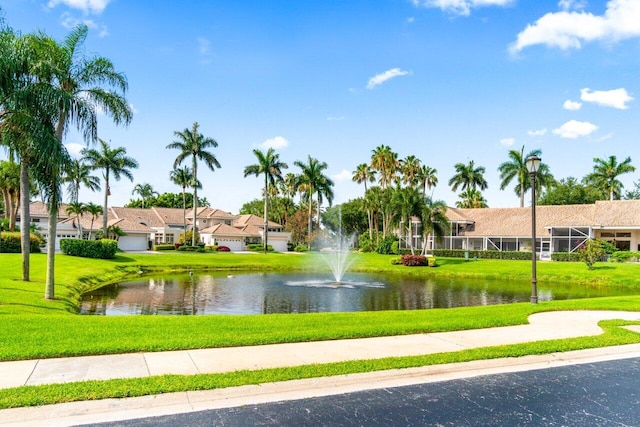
pixel 309 227
pixel 49 289
pixel 184 210
pixel 104 207
pixel 25 218
pixel 195 202
pixel 266 213
pixel 522 194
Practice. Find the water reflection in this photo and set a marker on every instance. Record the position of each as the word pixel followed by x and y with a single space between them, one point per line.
pixel 303 293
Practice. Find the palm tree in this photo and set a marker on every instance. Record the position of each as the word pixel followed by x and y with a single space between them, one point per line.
pixel 324 190
pixel 94 210
pixel 605 175
pixel 79 173
pixel 10 190
pixel 363 174
pixel 433 216
pixel 145 191
pixel 410 168
pixel 407 204
pixel 386 162
pixel 192 143
pixel 112 161
pixel 184 178
pixel 471 199
pixel 311 179
pixel 516 168
pixel 428 178
pixel 468 176
pixel 270 166
pixel 77 209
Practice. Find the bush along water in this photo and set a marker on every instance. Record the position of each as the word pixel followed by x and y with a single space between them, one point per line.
pixel 104 248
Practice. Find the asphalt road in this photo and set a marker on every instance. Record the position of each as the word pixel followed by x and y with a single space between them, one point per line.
pixel 597 394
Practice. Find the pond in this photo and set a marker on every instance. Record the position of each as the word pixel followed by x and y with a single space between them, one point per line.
pixel 265 293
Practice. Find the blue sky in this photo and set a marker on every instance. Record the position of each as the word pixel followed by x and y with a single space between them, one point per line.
pixel 445 80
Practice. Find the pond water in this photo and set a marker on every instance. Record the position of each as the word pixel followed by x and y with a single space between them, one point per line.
pixel 264 293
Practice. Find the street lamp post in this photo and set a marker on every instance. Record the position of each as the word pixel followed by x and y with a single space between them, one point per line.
pixel 533 163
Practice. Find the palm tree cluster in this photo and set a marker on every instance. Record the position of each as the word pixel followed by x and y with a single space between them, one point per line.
pixel 279 191
pixel 400 196
pixel 47 87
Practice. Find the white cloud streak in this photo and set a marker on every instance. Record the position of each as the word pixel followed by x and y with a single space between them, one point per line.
pixel 574 129
pixel 616 98
pixel 343 175
pixel 539 132
pixel 378 79
pixel 507 142
pixel 74 148
pixel 572 105
pixel 93 7
pixel 460 7
pixel 276 142
pixel 569 29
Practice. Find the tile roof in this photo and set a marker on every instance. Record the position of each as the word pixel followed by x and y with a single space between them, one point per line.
pixel 224 230
pixel 250 219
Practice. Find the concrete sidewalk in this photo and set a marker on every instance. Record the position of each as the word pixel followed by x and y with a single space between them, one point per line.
pixel 542 326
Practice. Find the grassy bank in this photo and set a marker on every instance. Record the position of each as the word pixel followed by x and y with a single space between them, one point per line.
pixel 27 334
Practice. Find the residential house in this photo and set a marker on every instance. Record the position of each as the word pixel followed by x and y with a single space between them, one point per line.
pixel 558 228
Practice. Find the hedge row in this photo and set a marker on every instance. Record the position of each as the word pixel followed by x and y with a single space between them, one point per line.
pixel 259 247
pixel 565 256
pixel 460 253
pixel 10 242
pixel 105 248
pixel 163 247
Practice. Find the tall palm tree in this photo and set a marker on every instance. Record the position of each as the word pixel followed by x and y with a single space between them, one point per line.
pixel 270 166
pixel 407 203
pixel 324 190
pixel 410 168
pixel 145 191
pixel 88 84
pixel 428 178
pixel 516 168
pixel 93 210
pixel 112 161
pixel 10 190
pixel 79 173
pixel 605 175
pixel 471 198
pixel 77 209
pixel 184 178
pixel 468 176
pixel 311 178
pixel 363 174
pixel 192 143
pixel 386 163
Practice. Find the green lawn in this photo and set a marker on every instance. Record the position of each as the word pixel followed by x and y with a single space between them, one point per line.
pixel 36 328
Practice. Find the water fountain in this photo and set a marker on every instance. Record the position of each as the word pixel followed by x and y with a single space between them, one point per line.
pixel 337 252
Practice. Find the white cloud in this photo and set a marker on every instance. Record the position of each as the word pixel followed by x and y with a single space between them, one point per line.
pixel 94 7
pixel 204 45
pixel 411 20
pixel 344 175
pixel 616 98
pixel 460 7
pixel 539 132
pixel 335 118
pixel 507 142
pixel 275 143
pixel 378 79
pixel 74 148
pixel 134 110
pixel 572 4
pixel 572 105
pixel 574 129
pixel 568 29
pixel 70 22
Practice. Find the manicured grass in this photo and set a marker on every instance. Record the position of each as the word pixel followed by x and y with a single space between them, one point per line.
pixel 94 390
pixel 35 328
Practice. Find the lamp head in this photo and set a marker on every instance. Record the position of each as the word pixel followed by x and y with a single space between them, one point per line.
pixel 533 164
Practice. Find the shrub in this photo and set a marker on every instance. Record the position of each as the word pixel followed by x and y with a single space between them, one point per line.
pixel 258 247
pixel 414 260
pixel 186 248
pixel 164 247
pixel 104 248
pixel 395 248
pixel 625 256
pixel 384 247
pixel 10 242
pixel 301 248
pixel 565 256
pixel 591 252
pixel 187 237
pixel 365 243
pixel 223 249
pixel 396 261
pixel 459 253
pixel 431 261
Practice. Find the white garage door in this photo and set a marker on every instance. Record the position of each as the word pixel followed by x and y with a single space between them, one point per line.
pixel 133 243
pixel 234 245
